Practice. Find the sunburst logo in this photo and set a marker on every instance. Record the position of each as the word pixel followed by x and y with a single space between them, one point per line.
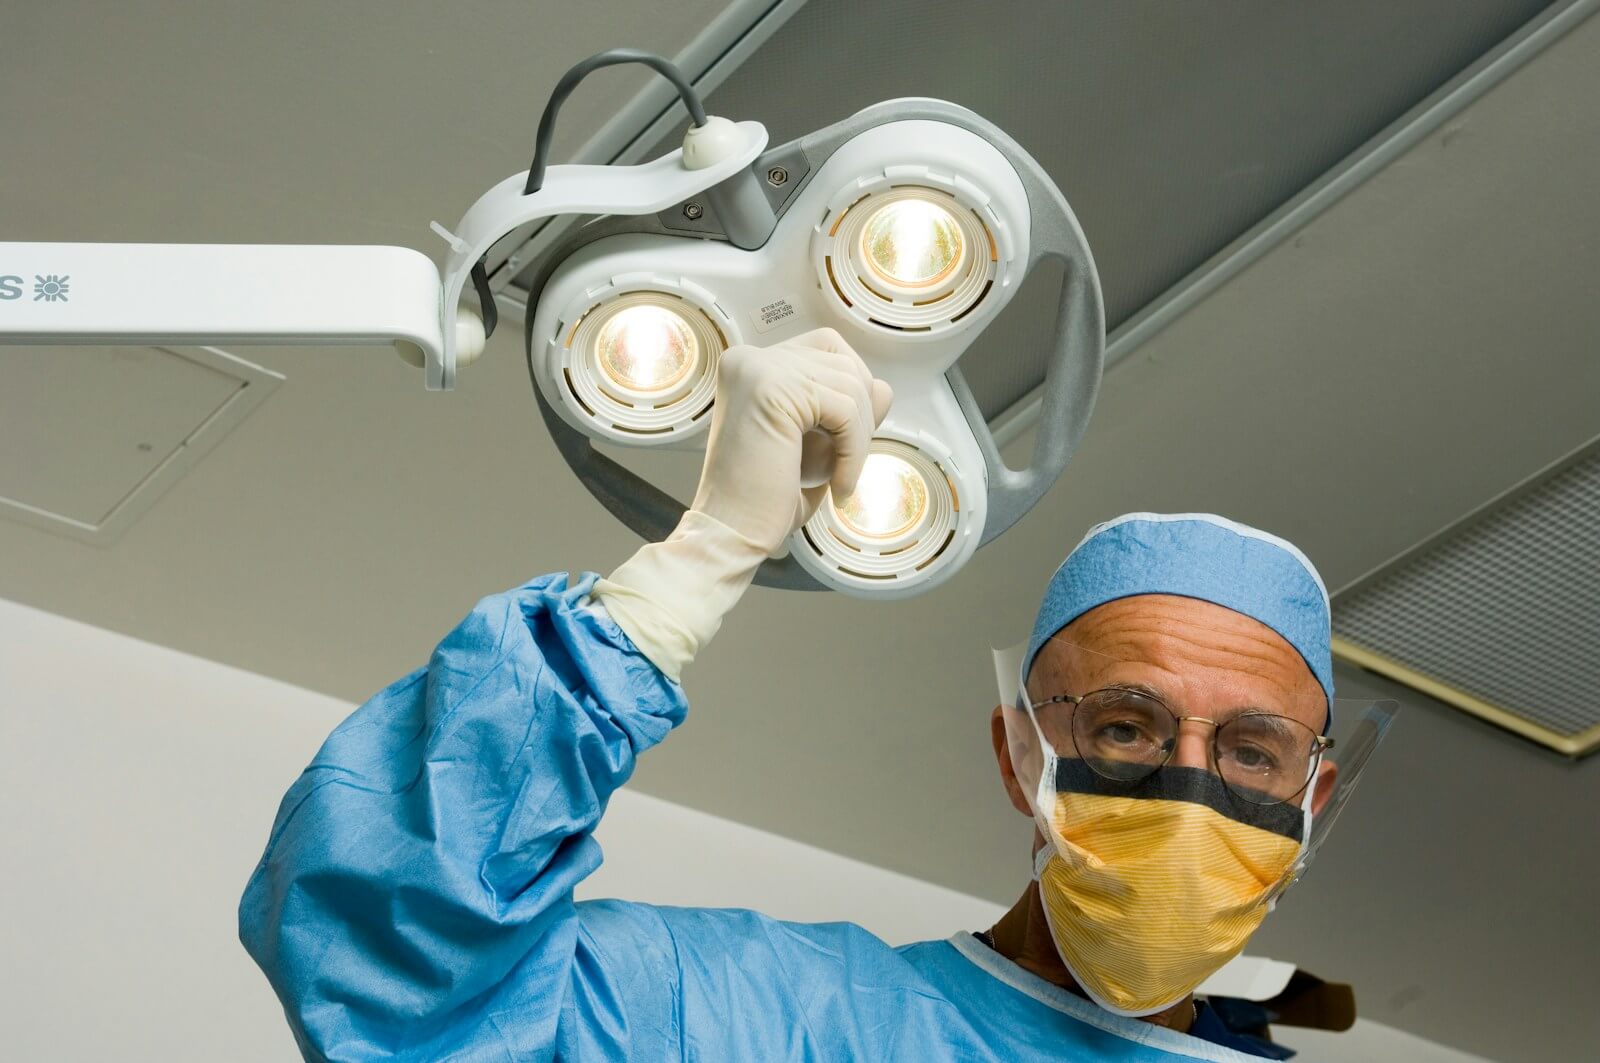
pixel 50 288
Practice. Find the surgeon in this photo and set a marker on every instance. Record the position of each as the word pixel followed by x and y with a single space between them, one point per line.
pixel 415 899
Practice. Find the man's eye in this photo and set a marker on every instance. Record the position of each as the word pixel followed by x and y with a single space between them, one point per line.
pixel 1253 758
pixel 1124 734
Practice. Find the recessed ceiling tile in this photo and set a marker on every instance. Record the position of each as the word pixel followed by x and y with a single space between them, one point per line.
pixel 94 434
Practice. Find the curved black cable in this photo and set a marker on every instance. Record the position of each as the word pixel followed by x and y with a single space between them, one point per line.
pixel 547 129
pixel 569 81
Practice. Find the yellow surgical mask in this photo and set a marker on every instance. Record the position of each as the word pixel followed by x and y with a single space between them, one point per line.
pixel 1150 888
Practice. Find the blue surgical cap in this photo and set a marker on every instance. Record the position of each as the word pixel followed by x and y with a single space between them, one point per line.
pixel 1194 555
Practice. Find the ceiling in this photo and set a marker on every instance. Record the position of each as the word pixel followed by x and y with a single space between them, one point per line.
pixel 1170 134
pixel 1424 343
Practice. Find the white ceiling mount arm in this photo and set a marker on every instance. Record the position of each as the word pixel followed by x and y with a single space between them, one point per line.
pixel 318 295
pixel 202 294
pixel 570 189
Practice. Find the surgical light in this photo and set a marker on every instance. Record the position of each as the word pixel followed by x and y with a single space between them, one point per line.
pixel 902 520
pixel 907 227
pixel 912 242
pixel 890 498
pixel 646 349
pixel 638 366
pixel 918 257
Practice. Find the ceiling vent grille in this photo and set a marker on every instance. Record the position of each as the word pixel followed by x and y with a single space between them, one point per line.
pixel 1500 614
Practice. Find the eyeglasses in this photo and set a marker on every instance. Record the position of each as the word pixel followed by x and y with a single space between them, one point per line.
pixel 1126 735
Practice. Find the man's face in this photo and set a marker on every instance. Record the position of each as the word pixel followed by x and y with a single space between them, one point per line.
pixel 1200 659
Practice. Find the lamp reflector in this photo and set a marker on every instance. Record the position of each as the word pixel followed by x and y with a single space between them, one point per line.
pixel 890 498
pixel 910 259
pixel 638 366
pixel 912 242
pixel 897 529
pixel 646 348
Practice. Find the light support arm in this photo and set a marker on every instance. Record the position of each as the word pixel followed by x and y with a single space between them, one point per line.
pixel 200 294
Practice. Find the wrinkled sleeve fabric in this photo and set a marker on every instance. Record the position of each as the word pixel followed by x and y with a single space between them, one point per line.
pixel 415 898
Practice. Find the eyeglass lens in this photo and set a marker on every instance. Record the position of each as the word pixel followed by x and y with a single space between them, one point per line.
pixel 1125 735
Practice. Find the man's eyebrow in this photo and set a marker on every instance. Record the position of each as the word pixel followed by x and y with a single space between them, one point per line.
pixel 1141 688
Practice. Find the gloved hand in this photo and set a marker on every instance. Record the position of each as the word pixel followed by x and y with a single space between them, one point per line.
pixel 808 402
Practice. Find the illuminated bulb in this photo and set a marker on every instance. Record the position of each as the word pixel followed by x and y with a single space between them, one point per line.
pixel 890 498
pixel 646 348
pixel 912 242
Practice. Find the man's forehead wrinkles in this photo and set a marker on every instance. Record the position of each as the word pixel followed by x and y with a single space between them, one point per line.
pixel 1162 629
pixel 1197 658
pixel 1169 633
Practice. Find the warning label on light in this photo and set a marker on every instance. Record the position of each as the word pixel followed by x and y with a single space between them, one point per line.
pixel 773 314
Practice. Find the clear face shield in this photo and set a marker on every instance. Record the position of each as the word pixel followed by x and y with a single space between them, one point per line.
pixel 1170 828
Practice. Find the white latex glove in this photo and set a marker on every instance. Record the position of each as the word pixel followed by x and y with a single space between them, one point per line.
pixel 768 400
pixel 809 400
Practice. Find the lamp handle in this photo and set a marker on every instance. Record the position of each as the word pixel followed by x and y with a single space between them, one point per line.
pixel 1072 376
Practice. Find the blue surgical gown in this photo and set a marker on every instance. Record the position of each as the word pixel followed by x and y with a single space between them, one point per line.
pixel 415 898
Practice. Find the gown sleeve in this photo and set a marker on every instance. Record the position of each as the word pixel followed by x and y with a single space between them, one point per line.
pixel 414 901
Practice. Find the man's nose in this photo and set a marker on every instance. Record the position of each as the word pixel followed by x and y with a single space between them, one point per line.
pixel 1193 749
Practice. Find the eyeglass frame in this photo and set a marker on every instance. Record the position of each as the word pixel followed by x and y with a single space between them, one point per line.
pixel 1320 743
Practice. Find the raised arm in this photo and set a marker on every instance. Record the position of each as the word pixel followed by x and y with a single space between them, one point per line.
pixel 415 897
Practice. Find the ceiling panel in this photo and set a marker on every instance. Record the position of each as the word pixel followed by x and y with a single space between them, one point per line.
pixel 93 436
pixel 1172 128
pixel 84 425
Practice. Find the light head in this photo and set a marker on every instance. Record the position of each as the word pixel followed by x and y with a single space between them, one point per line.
pixel 907 228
